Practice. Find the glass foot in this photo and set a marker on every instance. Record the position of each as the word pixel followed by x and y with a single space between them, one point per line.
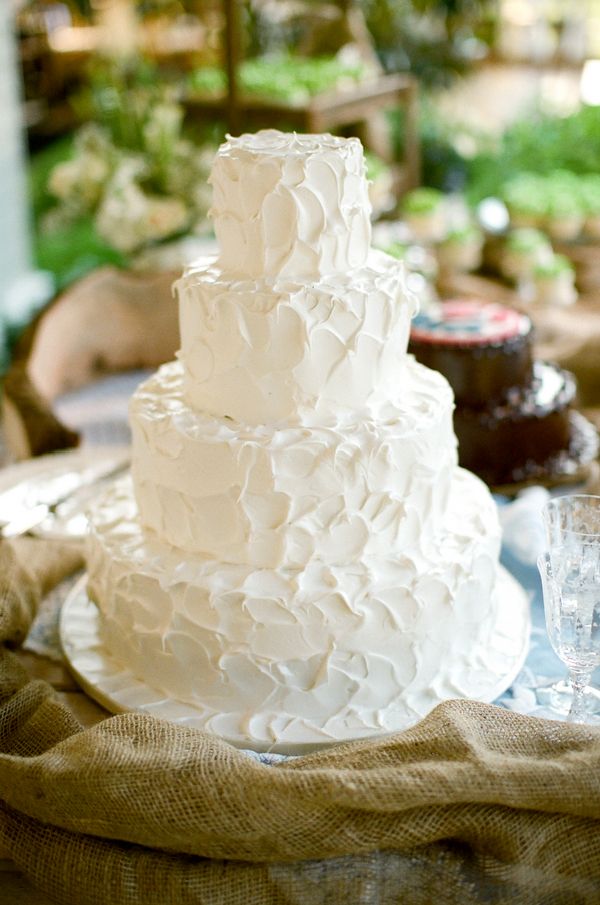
pixel 559 695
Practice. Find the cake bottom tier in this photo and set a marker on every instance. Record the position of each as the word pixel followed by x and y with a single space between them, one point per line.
pixel 285 659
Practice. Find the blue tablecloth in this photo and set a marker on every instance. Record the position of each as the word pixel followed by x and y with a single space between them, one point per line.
pixel 542 666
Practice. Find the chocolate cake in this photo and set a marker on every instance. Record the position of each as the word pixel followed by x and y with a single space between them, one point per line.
pixel 514 416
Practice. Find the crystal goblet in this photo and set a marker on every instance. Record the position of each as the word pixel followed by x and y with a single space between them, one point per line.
pixel 570 574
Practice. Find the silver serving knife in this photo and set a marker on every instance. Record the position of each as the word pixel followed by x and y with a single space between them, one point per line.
pixel 25 506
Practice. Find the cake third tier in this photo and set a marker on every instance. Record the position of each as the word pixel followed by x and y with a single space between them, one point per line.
pixel 277 496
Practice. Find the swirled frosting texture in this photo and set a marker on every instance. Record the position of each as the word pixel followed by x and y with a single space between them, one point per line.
pixel 323 653
pixel 274 496
pixel 263 351
pixel 286 204
pixel 303 561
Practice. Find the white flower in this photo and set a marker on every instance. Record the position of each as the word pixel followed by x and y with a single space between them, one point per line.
pixel 64 178
pixel 108 181
pixel 120 217
pixel 161 132
pixel 128 219
pixel 381 192
pixel 164 217
pixel 80 180
pixel 131 168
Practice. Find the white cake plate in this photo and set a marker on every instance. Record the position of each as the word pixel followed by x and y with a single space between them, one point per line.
pixel 119 691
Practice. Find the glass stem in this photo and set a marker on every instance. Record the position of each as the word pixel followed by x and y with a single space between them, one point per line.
pixel 579 680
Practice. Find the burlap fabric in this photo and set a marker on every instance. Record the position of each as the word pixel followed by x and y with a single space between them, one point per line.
pixel 475 804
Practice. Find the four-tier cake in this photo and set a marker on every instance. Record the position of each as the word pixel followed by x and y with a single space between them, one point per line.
pixel 298 556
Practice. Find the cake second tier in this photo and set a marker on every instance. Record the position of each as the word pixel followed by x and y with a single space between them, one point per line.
pixel 277 496
pixel 262 351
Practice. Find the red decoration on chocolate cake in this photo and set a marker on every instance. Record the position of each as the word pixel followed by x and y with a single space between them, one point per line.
pixel 469 323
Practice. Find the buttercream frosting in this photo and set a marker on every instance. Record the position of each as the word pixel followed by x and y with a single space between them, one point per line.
pixel 288 204
pixel 277 657
pixel 261 351
pixel 297 553
pixel 273 496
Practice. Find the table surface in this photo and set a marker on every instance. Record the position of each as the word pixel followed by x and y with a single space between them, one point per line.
pixel 101 413
pixel 16 890
pixel 109 427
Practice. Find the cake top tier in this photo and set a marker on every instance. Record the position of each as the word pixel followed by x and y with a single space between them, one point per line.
pixel 286 204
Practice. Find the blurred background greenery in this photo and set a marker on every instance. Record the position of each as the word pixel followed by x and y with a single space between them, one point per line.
pixel 119 144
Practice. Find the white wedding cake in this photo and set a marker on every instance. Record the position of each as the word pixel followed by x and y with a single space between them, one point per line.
pixel 297 556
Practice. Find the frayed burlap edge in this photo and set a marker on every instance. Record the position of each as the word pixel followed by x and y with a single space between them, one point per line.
pixel 487 804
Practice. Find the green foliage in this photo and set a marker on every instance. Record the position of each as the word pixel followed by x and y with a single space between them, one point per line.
pixel 72 251
pixel 526 240
pixel 590 188
pixel 538 157
pixel 554 267
pixel 279 76
pixel 210 80
pixel 464 10
pixel 119 97
pixel 442 165
pixel 375 166
pixel 83 7
pixel 41 165
pixel 386 19
pixel 434 39
pixel 545 143
pixel 422 201
pixel 463 236
pixel 131 168
pixel 396 249
pixel 124 180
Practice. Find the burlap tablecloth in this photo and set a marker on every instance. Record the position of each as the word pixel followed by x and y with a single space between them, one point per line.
pixel 474 804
